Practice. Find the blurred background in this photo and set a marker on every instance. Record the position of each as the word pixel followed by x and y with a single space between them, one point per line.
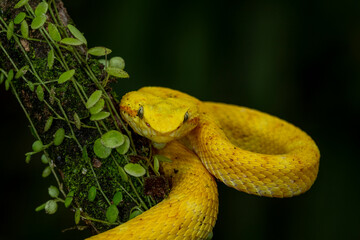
pixel 298 60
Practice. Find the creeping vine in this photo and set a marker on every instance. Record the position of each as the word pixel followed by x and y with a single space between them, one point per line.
pixel 99 166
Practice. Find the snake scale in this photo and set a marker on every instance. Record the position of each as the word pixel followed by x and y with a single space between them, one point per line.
pixel 248 150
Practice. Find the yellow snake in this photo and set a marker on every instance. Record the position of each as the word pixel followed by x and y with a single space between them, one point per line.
pixel 246 149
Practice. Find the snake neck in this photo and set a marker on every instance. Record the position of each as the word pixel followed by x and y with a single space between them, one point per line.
pixel 189 211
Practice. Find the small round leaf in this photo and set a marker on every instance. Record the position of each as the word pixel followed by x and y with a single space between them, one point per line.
pixel 24 29
pixel 38 21
pixel 19 18
pixel 2 77
pixel 92 193
pixel 31 86
pixel 74 31
pixel 69 199
pixel 112 213
pixel 97 107
pixel 93 99
pixel 7 85
pixel 118 197
pixel 117 72
pixel 100 150
pixel 117 62
pixel 52 95
pixel 59 136
pixel 40 93
pixel 37 146
pixel 44 159
pixel 99 51
pixel 20 3
pixel 134 214
pixel 51 207
pixel 156 165
pixel 51 58
pixel 71 41
pixel 124 148
pixel 48 123
pixel 112 139
pixel 66 76
pixel 53 191
pixel 41 8
pixel 104 62
pixel 77 216
pixel 10 30
pixel 46 172
pixel 77 121
pixel 10 76
pixel 99 116
pixel 135 169
pixel 54 32
pixel 21 71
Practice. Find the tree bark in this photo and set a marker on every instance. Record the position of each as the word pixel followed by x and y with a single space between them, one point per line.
pixel 53 78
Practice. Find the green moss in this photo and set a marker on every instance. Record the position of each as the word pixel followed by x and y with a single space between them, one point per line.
pixel 77 172
pixel 79 178
pixel 95 67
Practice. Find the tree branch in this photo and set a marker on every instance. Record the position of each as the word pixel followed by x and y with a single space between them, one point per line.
pixel 65 94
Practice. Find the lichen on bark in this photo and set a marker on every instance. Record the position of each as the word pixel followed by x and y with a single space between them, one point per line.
pixel 73 163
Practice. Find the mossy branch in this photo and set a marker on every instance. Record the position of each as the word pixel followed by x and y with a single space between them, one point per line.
pixel 65 94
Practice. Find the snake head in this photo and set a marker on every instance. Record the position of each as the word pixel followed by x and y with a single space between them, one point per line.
pixel 158 116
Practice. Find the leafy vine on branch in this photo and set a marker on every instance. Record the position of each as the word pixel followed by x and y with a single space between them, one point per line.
pixel 64 89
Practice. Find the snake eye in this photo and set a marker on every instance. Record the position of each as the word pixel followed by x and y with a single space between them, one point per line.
pixel 140 112
pixel 186 117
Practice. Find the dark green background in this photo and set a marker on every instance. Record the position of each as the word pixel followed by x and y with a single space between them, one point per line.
pixel 299 60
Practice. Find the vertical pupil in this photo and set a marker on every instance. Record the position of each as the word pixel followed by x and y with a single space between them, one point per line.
pixel 140 112
pixel 186 117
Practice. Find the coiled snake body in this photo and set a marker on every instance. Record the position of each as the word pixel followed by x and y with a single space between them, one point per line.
pixel 246 149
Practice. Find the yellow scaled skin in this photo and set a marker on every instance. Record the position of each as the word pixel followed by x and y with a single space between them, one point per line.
pixel 254 152
pixel 190 210
pixel 246 149
pixel 163 113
